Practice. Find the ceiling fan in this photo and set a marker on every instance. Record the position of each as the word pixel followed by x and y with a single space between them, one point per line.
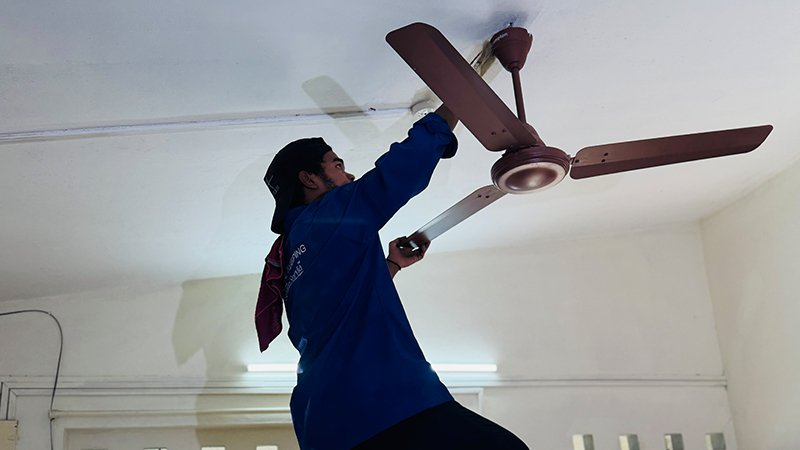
pixel 527 164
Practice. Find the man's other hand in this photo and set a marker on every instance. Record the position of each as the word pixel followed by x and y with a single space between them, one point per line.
pixel 405 256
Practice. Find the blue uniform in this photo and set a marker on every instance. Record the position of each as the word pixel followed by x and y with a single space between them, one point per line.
pixel 361 369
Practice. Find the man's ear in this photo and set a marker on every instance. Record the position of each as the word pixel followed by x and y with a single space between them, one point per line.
pixel 307 179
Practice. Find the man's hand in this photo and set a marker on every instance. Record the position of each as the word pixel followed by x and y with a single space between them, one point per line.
pixel 400 257
pixel 447 115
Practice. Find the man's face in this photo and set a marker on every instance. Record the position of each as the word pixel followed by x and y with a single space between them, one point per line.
pixel 333 172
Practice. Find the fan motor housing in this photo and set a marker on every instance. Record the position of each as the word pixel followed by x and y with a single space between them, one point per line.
pixel 530 169
pixel 511 47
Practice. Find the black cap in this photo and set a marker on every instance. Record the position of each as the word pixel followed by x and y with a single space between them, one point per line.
pixel 281 178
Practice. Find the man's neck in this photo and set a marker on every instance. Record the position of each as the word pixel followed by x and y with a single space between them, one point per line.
pixel 312 196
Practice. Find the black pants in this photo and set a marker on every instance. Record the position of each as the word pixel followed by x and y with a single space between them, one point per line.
pixel 448 426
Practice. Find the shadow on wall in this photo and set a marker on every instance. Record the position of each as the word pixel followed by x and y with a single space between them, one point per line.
pixel 215 318
pixel 214 321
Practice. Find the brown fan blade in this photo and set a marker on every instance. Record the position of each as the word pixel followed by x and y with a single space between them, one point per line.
pixel 624 156
pixel 474 202
pixel 457 84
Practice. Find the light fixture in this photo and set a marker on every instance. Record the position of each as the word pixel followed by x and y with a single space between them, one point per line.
pixel 464 368
pixel 272 368
pixel 439 368
pixel 423 108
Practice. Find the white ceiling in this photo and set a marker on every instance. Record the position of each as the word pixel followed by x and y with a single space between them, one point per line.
pixel 143 204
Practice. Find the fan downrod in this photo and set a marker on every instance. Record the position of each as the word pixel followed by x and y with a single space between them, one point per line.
pixel 511 47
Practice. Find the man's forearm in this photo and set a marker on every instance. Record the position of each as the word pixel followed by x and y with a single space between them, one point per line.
pixel 393 268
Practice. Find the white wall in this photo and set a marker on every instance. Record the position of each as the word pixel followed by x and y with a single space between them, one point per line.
pixel 627 305
pixel 752 251
pixel 606 336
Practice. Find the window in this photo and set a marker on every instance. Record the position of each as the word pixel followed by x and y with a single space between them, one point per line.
pixel 715 441
pixel 582 442
pixel 628 442
pixel 674 441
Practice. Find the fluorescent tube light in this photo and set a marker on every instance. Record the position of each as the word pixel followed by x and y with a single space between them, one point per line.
pixel 273 368
pixel 464 368
pixel 439 368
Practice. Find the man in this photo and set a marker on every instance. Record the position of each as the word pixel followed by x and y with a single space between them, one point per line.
pixel 362 380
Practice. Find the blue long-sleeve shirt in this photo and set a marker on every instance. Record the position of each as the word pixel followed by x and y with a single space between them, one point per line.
pixel 361 369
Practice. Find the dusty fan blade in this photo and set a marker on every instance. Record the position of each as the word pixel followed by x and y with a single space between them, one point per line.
pixel 457 84
pixel 624 156
pixel 474 202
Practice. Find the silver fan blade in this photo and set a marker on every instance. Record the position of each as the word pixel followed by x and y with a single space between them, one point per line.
pixel 454 215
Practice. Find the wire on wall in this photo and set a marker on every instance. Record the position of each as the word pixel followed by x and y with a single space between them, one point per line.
pixel 58 364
